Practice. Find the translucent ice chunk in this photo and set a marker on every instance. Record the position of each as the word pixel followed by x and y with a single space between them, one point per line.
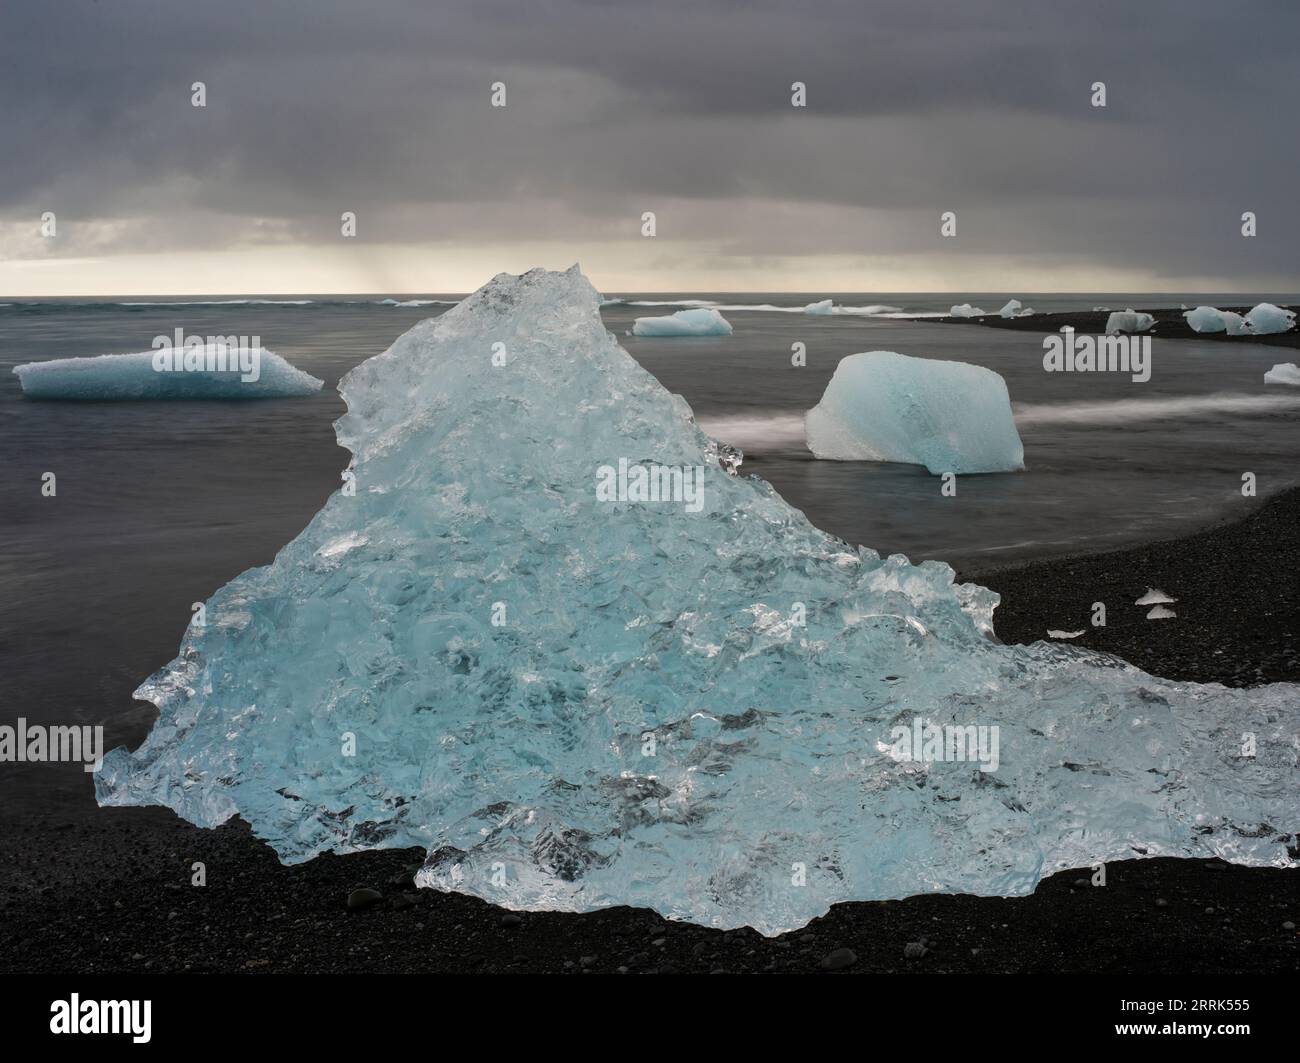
pixel 1267 319
pixel 947 416
pixel 1236 324
pixel 1206 319
pixel 1128 321
pixel 822 307
pixel 966 310
pixel 572 703
pixel 215 372
pixel 1283 373
pixel 1155 596
pixel 700 321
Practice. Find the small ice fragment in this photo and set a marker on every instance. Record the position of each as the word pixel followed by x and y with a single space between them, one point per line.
pixel 1206 319
pixel 1155 596
pixel 700 321
pixel 1159 612
pixel 1283 373
pixel 1053 634
pixel 1235 322
pixel 1128 321
pixel 966 310
pixel 1267 319
pixel 820 308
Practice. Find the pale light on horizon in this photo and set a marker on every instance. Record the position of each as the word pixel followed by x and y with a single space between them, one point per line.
pixel 382 269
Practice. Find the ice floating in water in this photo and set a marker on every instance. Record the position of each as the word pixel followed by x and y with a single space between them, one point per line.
pixel 1128 321
pixel 1155 596
pixel 947 416
pixel 1159 612
pixel 1267 320
pixel 573 703
pixel 209 372
pixel 823 307
pixel 1053 634
pixel 701 321
pixel 1283 373
pixel 1014 309
pixel 1206 319
pixel 966 310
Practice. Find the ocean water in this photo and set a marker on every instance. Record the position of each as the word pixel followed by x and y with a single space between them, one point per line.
pixel 158 504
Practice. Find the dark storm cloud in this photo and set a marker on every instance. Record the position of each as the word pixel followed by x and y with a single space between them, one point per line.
pixel 382 107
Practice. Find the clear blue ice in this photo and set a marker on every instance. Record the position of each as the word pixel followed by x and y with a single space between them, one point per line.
pixel 572 703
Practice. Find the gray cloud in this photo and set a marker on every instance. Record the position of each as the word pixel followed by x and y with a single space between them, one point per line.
pixel 915 107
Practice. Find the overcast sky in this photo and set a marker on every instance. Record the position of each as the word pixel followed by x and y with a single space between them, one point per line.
pixel 384 108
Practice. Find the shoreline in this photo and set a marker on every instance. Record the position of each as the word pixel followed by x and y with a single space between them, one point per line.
pixel 1169 324
pixel 85 889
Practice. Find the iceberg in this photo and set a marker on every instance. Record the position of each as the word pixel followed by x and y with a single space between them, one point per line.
pixel 1267 319
pixel 208 372
pixel 1283 373
pixel 1014 309
pixel 966 310
pixel 700 321
pixel 1206 319
pixel 947 416
pixel 725 715
pixel 1264 320
pixel 1128 321
pixel 1236 324
pixel 819 308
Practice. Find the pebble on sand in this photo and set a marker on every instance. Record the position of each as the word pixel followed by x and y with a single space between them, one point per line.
pixel 363 898
pixel 838 959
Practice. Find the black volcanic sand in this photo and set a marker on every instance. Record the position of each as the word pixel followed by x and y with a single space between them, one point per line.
pixel 1238 591
pixel 1169 324
pixel 109 890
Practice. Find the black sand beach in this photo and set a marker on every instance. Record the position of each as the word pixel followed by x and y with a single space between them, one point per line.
pixel 88 890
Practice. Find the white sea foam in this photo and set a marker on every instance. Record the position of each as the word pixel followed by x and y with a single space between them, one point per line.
pixel 1125 410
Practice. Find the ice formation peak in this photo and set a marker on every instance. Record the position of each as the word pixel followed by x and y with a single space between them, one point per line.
pixel 721 713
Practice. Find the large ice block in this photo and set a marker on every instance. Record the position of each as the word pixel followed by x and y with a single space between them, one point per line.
pixel 947 416
pixel 719 713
